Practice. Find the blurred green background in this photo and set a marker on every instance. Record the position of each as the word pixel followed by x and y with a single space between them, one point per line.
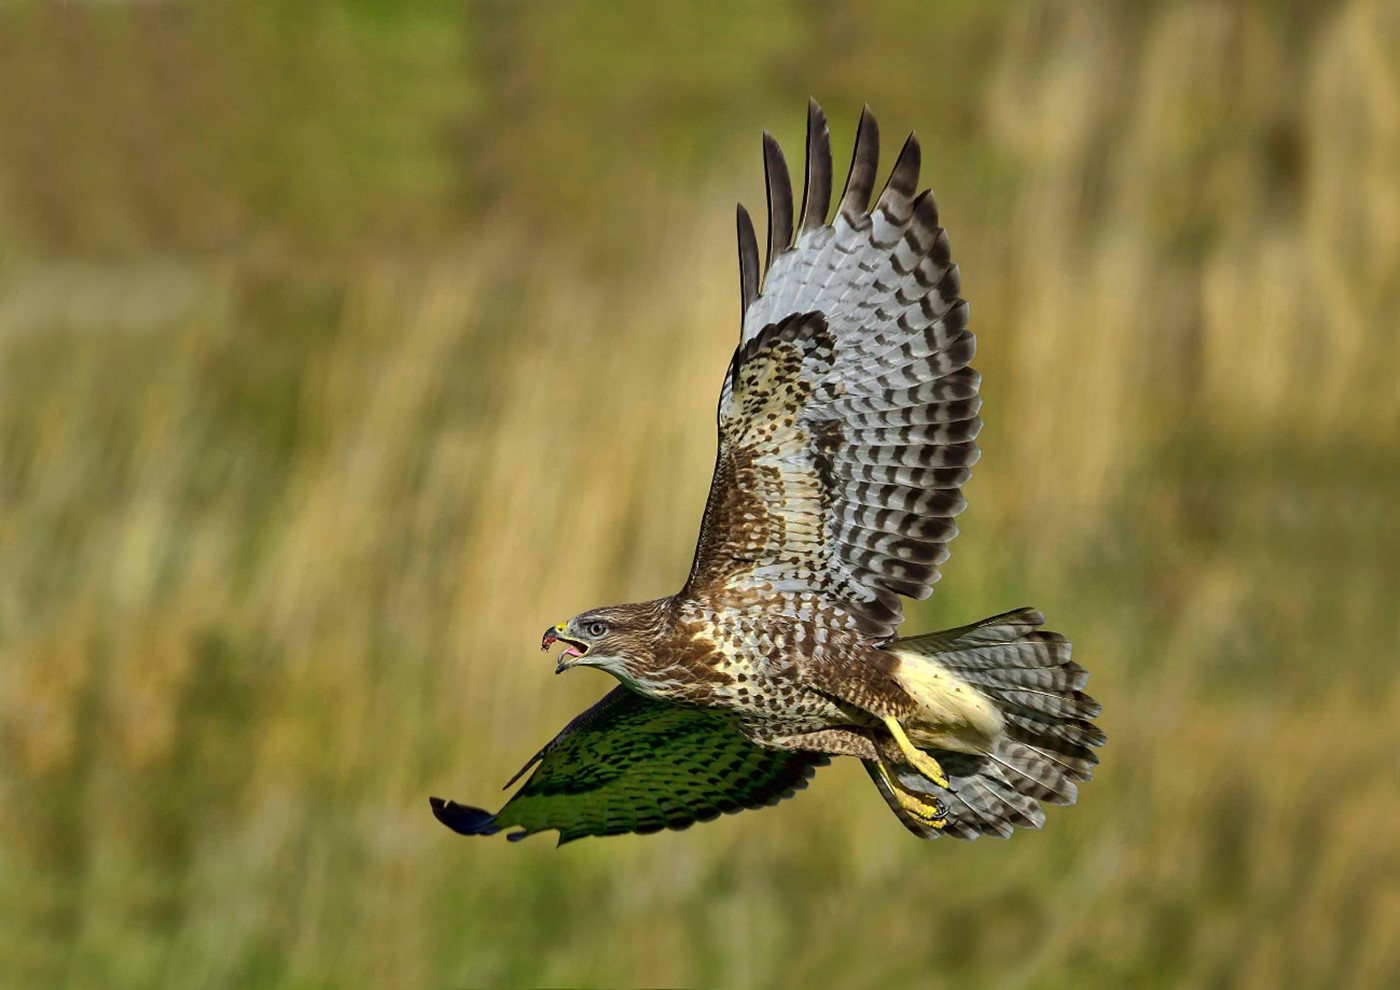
pixel 344 346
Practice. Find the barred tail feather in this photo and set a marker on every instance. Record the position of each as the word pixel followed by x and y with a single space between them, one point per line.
pixel 1045 748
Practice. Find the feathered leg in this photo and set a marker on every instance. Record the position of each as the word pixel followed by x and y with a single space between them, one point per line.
pixel 919 812
pixel 832 742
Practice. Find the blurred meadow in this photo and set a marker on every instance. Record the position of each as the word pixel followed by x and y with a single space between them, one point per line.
pixel 346 345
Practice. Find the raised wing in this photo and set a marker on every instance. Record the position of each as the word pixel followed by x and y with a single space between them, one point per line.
pixel 631 764
pixel 848 417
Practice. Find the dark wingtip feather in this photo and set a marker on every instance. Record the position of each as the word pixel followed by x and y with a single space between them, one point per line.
pixel 864 161
pixel 816 186
pixel 903 182
pixel 779 184
pixel 463 819
pixel 748 260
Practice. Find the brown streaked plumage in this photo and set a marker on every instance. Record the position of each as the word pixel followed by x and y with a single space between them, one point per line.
pixel 847 426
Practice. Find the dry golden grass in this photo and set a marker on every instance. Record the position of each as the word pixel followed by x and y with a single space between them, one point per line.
pixel 341 351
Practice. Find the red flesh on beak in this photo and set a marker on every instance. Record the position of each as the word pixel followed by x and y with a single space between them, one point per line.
pixel 571 648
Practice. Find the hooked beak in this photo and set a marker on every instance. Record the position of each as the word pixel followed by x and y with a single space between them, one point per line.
pixel 574 649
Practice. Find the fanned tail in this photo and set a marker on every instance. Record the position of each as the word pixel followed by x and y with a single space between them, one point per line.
pixel 1044 748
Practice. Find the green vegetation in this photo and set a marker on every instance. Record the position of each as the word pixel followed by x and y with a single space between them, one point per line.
pixel 343 348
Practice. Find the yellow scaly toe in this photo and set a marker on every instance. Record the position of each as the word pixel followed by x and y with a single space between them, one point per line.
pixel 917 758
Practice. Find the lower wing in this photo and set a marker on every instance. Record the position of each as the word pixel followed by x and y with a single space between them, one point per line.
pixel 631 764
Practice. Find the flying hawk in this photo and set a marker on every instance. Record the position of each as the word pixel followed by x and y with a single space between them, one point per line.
pixel 847 426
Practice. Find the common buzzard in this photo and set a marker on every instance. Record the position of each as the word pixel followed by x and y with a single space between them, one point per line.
pixel 847 427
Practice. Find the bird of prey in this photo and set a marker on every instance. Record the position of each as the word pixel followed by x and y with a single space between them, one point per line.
pixel 848 420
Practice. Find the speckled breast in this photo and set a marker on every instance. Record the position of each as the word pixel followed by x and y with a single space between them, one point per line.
pixel 758 659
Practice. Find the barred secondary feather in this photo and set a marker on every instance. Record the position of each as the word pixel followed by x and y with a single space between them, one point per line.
pixel 848 422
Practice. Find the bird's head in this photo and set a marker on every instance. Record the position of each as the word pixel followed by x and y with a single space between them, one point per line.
pixel 618 638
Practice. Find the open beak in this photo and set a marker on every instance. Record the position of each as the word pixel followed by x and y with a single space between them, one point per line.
pixel 573 649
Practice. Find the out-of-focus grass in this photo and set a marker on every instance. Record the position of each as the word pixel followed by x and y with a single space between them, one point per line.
pixel 341 349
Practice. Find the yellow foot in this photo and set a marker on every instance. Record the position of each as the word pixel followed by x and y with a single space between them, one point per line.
pixel 929 813
pixel 917 758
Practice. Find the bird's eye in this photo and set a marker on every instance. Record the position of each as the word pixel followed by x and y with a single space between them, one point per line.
pixel 597 628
